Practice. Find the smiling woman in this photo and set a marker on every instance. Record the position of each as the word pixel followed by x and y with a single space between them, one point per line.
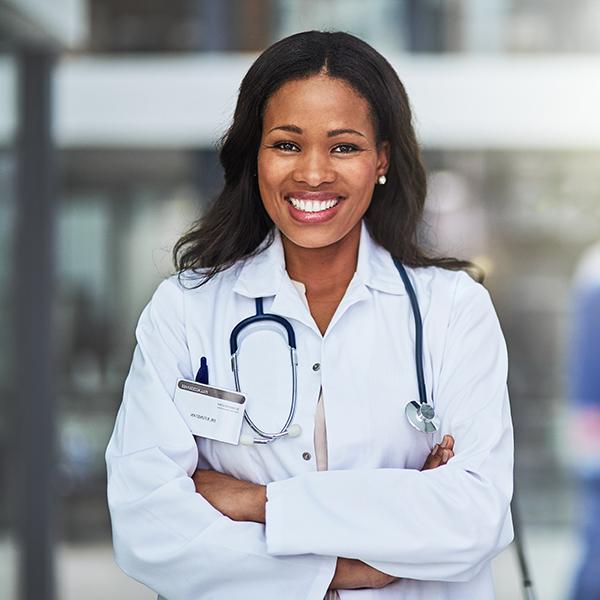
pixel 314 236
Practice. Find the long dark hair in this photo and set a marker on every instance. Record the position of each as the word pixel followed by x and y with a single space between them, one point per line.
pixel 236 223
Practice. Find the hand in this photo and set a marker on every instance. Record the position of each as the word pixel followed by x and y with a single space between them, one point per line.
pixel 237 499
pixel 440 454
pixel 351 574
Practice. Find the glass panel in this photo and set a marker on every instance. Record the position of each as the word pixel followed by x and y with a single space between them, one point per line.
pixel 383 24
pixel 117 225
pixel 390 25
pixel 8 554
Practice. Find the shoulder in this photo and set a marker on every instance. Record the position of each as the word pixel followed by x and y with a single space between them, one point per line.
pixel 455 306
pixel 460 322
pixel 445 287
pixel 181 294
pixel 194 283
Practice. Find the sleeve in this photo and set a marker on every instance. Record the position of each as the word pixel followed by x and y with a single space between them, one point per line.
pixel 166 535
pixel 443 524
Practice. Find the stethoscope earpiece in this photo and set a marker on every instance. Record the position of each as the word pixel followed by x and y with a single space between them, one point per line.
pixel 422 417
pixel 246 439
pixel 295 430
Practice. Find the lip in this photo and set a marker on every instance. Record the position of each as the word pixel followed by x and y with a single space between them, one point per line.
pixel 318 196
pixel 314 218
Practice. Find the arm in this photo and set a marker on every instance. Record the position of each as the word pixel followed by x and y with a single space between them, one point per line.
pixel 165 535
pixel 246 501
pixel 443 524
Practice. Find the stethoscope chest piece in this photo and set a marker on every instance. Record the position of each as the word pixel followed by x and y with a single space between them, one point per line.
pixel 422 417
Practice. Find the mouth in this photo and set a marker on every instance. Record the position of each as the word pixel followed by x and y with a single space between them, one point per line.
pixel 313 203
pixel 313 208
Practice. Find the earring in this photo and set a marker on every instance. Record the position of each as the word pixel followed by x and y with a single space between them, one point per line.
pixel 381 179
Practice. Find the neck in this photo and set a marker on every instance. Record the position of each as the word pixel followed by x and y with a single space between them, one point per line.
pixel 325 271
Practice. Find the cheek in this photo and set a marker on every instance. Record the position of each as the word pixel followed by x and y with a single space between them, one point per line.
pixel 271 175
pixel 361 176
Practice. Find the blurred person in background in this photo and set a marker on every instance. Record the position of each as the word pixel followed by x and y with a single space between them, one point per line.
pixel 324 188
pixel 585 428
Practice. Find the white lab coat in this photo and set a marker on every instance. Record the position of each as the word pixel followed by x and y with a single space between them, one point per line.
pixel 436 530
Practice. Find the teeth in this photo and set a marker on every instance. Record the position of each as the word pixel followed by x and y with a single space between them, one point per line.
pixel 312 205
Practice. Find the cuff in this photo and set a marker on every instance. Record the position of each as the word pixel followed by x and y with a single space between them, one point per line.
pixel 280 542
pixel 320 585
pixel 275 526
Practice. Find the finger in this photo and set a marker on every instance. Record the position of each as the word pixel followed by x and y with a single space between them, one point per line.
pixel 437 457
pixel 447 455
pixel 448 442
pixel 434 459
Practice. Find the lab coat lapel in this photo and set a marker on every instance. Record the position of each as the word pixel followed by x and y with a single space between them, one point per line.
pixel 375 270
pixel 290 305
pixel 260 275
pixel 356 292
pixel 264 275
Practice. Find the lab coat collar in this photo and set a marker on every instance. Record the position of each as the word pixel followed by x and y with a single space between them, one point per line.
pixel 262 275
pixel 375 266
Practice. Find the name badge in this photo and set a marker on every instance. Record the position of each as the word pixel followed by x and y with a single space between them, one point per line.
pixel 209 411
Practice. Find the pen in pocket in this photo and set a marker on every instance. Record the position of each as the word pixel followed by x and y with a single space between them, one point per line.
pixel 202 374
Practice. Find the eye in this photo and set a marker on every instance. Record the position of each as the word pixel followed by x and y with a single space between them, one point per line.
pixel 285 146
pixel 345 149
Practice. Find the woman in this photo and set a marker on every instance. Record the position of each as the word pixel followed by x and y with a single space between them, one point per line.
pixel 324 186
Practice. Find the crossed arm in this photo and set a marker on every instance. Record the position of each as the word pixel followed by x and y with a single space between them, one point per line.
pixel 244 501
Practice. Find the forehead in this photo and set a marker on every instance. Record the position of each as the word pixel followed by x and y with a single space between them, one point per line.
pixel 319 101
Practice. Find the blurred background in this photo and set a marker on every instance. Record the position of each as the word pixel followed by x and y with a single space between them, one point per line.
pixel 109 114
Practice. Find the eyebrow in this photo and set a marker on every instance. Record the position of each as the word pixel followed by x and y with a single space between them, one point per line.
pixel 332 133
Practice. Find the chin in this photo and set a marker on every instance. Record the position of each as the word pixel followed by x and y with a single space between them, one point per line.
pixel 313 239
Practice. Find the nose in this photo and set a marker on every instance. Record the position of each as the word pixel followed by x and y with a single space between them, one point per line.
pixel 313 168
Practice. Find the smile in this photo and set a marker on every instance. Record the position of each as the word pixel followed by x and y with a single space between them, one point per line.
pixel 312 205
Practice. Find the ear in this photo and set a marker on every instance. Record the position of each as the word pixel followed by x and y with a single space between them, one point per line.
pixel 383 158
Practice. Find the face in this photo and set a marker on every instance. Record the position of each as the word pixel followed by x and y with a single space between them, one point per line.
pixel 318 160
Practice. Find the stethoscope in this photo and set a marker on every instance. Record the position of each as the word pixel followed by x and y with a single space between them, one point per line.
pixel 421 415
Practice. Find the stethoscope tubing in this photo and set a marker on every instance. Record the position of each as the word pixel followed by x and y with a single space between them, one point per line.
pixel 265 436
pixel 410 290
pixel 261 316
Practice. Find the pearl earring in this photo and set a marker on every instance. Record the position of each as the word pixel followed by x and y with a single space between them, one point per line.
pixel 381 179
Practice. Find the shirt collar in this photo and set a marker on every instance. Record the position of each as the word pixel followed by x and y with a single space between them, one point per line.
pixel 261 275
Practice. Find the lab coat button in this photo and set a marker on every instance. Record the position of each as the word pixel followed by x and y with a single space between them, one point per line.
pixel 316 367
pixel 306 455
